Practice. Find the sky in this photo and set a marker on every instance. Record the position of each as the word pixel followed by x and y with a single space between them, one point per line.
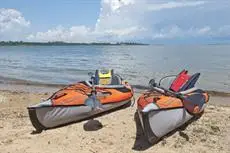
pixel 147 21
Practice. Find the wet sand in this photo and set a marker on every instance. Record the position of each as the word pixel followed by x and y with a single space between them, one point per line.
pixel 120 132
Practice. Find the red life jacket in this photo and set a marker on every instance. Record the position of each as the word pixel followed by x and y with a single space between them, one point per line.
pixel 180 80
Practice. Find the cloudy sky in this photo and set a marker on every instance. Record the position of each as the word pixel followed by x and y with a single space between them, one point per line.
pixel 152 21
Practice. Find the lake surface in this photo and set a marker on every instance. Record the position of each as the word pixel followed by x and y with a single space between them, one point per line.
pixel 137 64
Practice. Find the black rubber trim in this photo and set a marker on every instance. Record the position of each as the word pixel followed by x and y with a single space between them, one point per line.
pixel 124 90
pixel 34 120
pixel 152 138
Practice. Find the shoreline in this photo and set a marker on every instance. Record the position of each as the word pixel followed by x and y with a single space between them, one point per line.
pixel 19 84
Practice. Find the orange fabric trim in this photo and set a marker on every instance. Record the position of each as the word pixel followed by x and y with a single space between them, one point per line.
pixel 75 95
pixel 161 101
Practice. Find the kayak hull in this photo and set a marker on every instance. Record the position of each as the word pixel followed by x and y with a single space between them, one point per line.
pixel 160 114
pixel 74 104
pixel 48 117
pixel 159 123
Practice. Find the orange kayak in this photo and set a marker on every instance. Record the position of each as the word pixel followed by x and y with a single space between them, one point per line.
pixel 68 105
pixel 162 110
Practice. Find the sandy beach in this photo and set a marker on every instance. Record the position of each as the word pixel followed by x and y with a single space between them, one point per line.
pixel 120 133
pixel 70 60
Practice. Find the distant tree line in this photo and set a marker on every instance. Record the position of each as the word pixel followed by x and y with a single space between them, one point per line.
pixel 60 43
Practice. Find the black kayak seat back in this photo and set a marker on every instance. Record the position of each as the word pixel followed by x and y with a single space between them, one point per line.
pixel 191 82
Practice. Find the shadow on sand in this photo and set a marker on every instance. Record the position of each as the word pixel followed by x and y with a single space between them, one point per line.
pixel 34 132
pixel 141 142
pixel 92 125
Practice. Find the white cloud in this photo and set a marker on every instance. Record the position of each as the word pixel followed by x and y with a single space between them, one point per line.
pixel 11 22
pixel 124 31
pixel 84 34
pixel 224 30
pixel 134 19
pixel 204 30
pixel 173 4
pixel 115 23
pixel 168 32
pixel 116 4
pixel 174 32
pixel 124 20
pixel 73 34
pixel 177 32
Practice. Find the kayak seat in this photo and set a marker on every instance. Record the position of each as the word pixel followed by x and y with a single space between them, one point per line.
pixel 116 80
pixel 106 77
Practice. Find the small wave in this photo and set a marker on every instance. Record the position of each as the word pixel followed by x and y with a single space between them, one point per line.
pixel 14 81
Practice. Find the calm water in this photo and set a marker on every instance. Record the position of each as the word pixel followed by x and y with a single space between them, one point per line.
pixel 137 64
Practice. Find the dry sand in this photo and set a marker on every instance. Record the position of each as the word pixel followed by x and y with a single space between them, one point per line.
pixel 211 133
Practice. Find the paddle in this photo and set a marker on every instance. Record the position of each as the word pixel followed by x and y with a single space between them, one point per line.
pixel 193 103
pixel 92 100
